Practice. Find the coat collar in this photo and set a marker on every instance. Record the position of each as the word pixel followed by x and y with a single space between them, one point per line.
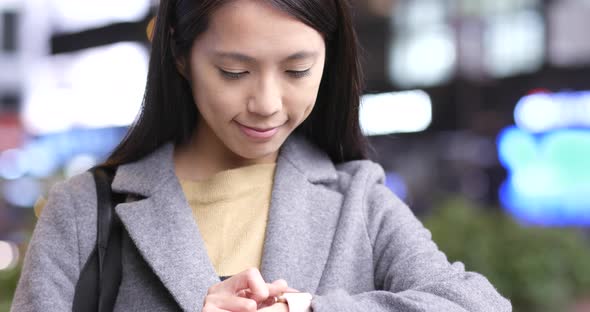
pixel 301 223
pixel 144 177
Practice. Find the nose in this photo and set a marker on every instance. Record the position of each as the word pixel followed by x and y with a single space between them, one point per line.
pixel 266 100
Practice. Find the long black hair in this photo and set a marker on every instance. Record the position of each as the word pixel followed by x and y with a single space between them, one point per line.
pixel 169 114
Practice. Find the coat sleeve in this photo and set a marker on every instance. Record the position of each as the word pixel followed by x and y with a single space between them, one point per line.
pixel 52 265
pixel 411 274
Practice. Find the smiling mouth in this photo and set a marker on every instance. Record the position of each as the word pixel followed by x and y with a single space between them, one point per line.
pixel 258 133
pixel 259 129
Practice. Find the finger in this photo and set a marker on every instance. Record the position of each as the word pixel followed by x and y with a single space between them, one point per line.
pixel 273 291
pixel 256 285
pixel 249 279
pixel 232 303
pixel 277 287
pixel 246 293
pixel 280 282
pixel 267 303
pixel 212 308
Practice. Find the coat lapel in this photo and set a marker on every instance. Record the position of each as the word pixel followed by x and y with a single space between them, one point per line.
pixel 302 220
pixel 163 229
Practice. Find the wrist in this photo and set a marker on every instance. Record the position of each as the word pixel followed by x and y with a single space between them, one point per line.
pixel 297 302
pixel 282 307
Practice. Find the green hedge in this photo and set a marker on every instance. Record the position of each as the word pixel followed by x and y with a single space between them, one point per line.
pixel 8 280
pixel 539 269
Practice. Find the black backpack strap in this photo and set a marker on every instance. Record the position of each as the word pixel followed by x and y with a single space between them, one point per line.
pixel 100 278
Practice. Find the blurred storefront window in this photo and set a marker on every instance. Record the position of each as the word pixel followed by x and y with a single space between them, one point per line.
pixel 422 50
pixel 568 27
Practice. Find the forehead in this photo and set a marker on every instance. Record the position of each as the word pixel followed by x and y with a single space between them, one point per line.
pixel 255 27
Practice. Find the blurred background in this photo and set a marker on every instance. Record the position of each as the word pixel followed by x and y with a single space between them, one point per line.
pixel 479 110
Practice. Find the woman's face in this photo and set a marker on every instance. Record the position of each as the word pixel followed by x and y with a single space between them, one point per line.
pixel 255 74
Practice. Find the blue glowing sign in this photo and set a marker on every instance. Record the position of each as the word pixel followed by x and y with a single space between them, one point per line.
pixel 549 176
pixel 43 156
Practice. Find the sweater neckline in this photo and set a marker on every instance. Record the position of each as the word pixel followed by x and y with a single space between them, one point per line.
pixel 228 184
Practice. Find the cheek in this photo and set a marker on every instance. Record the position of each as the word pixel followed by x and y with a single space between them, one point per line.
pixel 302 100
pixel 212 97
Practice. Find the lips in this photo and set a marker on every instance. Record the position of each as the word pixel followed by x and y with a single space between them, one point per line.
pixel 260 129
pixel 258 132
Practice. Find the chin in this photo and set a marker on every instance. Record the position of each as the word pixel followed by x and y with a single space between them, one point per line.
pixel 256 151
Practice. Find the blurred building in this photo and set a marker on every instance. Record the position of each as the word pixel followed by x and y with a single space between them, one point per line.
pixel 508 82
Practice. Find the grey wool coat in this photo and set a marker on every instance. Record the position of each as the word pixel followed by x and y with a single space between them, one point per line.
pixel 334 231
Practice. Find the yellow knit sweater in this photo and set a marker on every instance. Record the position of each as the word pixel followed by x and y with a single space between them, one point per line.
pixel 231 210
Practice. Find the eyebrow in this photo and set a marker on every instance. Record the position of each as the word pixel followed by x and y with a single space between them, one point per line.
pixel 249 59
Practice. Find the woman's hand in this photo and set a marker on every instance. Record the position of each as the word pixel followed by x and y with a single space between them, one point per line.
pixel 243 292
pixel 277 307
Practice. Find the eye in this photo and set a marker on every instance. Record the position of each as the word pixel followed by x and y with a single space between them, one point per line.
pixel 232 75
pixel 299 73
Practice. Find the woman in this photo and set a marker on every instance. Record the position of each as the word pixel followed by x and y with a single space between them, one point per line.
pixel 250 163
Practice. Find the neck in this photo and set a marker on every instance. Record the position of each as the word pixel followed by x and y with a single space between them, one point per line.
pixel 204 155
